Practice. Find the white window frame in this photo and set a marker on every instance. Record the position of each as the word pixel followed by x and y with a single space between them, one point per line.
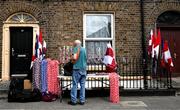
pixel 112 39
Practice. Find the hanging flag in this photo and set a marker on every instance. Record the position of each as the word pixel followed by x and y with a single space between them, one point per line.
pixel 156 45
pixel 40 45
pixel 162 55
pixel 167 55
pixel 150 43
pixel 44 48
pixel 109 59
pixel 37 51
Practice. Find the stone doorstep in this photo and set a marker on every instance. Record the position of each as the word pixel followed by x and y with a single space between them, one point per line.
pixel 177 91
pixel 4 85
pixel 4 89
pixel 176 85
pixel 3 93
pixel 3 96
pixel 176 81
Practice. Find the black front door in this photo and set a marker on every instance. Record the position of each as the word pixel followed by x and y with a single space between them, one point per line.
pixel 21 43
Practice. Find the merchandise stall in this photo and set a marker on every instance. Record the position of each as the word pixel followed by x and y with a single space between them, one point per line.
pixel 99 76
pixel 49 79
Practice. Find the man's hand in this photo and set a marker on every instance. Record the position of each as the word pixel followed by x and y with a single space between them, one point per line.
pixel 75 57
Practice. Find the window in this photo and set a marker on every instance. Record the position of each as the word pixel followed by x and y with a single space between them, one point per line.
pixel 98 31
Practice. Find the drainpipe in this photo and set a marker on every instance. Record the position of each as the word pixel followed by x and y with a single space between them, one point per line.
pixel 143 44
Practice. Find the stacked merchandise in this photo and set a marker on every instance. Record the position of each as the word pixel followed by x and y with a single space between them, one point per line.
pixel 44 75
pixel 36 74
pixel 52 73
pixel 45 79
pixel 114 87
pixel 64 54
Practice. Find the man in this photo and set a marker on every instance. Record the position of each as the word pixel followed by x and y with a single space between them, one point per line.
pixel 79 73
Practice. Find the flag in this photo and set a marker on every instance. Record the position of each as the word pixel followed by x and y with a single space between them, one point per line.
pixel 162 56
pixel 109 59
pixel 167 55
pixel 37 51
pixel 37 46
pixel 150 42
pixel 156 45
pixel 44 48
pixel 40 45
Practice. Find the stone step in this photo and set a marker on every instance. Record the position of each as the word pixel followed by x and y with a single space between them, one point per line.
pixel 4 85
pixel 3 93
pixel 3 96
pixel 177 91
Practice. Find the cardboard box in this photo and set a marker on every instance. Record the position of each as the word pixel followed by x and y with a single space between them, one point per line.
pixel 27 84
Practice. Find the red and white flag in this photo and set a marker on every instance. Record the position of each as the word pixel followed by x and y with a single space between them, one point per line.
pixel 40 45
pixel 44 48
pixel 156 45
pixel 167 55
pixel 150 43
pixel 37 50
pixel 109 59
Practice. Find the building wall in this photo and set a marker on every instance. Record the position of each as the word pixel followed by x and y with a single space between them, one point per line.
pixel 61 21
pixel 154 9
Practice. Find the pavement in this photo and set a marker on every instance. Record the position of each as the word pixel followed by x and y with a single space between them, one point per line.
pixel 101 103
pixel 176 84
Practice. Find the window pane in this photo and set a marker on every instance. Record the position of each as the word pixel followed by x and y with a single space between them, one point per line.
pixel 98 26
pixel 21 17
pixel 96 50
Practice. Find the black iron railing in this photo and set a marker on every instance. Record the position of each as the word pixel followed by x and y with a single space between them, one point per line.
pixel 131 75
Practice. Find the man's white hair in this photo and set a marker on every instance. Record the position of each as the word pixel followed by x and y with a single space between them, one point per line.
pixel 78 42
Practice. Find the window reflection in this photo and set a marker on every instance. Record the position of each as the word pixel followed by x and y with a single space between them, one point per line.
pixel 98 26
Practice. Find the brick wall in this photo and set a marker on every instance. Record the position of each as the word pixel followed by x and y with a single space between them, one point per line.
pixel 62 20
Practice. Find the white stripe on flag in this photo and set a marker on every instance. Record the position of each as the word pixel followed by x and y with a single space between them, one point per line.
pixel 156 49
pixel 150 42
pixel 107 59
pixel 167 55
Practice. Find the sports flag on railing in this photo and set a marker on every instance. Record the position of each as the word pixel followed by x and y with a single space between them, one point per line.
pixel 150 42
pixel 109 59
pixel 156 45
pixel 166 55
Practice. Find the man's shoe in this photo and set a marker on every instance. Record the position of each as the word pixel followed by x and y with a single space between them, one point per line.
pixel 71 103
pixel 81 103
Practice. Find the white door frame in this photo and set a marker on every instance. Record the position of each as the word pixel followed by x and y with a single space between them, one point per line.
pixel 6 45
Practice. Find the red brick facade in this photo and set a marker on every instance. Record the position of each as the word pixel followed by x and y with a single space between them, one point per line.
pixel 62 20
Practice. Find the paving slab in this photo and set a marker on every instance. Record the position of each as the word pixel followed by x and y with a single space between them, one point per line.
pixel 101 103
pixel 133 104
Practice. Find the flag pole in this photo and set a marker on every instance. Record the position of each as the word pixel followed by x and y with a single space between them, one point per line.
pixel 159 54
